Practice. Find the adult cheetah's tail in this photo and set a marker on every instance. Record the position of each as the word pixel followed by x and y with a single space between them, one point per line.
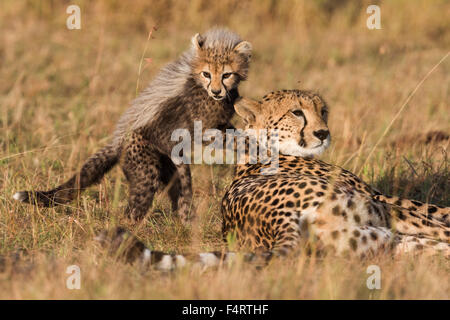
pixel 91 172
pixel 430 211
pixel 123 245
pixel 416 223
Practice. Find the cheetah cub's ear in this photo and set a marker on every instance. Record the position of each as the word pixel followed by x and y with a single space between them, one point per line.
pixel 247 109
pixel 244 48
pixel 198 41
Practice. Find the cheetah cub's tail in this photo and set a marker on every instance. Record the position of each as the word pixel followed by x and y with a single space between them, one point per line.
pixel 91 172
pixel 124 246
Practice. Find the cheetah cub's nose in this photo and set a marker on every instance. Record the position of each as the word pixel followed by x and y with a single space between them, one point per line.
pixel 321 134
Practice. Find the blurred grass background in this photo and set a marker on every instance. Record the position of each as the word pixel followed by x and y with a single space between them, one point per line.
pixel 61 92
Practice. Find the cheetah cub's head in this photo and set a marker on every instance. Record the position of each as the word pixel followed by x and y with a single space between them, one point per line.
pixel 300 118
pixel 221 61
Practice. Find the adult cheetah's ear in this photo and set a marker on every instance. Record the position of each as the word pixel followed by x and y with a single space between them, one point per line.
pixel 244 48
pixel 198 41
pixel 247 109
pixel 321 104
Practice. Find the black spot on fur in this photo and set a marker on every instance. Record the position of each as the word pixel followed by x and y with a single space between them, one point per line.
pixel 353 244
pixel 432 209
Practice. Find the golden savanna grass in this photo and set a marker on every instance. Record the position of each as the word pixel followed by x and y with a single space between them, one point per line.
pixel 62 91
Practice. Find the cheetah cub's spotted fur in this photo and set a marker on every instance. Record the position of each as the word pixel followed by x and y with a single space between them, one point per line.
pixel 308 201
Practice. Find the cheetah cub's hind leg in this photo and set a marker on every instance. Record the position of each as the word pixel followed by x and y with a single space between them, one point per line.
pixel 147 172
pixel 141 167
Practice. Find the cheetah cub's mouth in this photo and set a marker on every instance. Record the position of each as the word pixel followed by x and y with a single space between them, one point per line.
pixel 218 98
pixel 292 148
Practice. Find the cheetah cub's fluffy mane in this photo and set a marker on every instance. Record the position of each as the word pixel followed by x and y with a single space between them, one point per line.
pixel 170 81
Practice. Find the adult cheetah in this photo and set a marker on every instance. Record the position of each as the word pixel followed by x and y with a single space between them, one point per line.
pixel 310 201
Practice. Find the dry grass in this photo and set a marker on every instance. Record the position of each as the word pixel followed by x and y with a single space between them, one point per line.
pixel 61 92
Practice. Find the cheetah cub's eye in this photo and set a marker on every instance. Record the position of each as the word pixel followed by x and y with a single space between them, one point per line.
pixel 206 74
pixel 298 113
pixel 226 75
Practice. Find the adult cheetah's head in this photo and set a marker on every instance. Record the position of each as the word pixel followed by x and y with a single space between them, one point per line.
pixel 299 116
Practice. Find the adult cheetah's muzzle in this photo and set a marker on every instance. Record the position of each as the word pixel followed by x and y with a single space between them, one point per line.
pixel 321 134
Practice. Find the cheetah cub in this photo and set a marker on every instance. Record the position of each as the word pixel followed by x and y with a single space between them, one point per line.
pixel 201 85
pixel 308 203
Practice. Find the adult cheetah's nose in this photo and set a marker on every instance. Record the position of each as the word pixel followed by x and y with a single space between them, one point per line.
pixel 321 134
pixel 216 92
